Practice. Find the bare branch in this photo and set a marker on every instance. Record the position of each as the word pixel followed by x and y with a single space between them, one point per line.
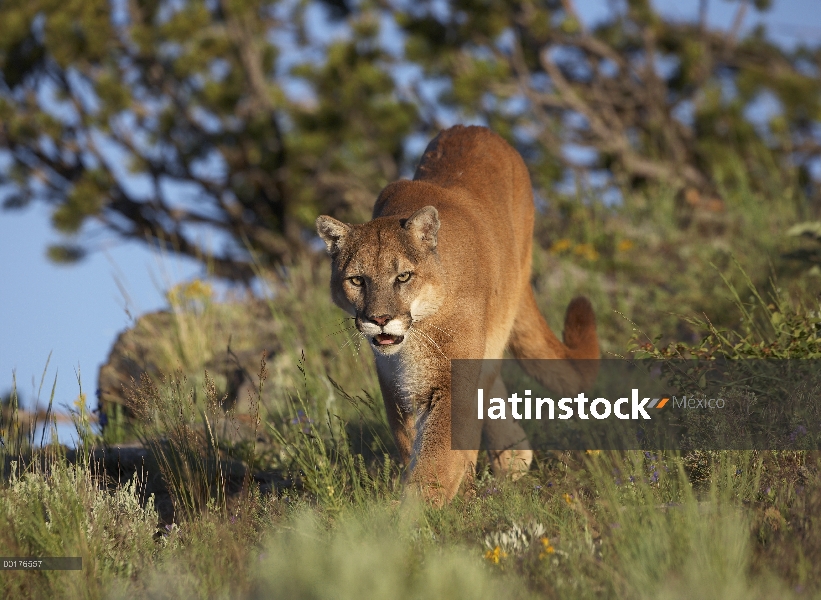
pixel 703 7
pixel 570 9
pixel 738 20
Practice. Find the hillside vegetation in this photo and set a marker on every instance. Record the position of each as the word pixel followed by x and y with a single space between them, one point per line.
pixel 294 490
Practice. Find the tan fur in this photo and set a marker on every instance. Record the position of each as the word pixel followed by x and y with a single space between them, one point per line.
pixel 463 228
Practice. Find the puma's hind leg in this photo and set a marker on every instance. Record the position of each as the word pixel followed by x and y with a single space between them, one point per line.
pixel 531 338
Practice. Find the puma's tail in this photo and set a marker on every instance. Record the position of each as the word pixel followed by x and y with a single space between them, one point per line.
pixel 580 339
pixel 532 339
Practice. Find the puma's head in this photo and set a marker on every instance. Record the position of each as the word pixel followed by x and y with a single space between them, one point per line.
pixel 386 273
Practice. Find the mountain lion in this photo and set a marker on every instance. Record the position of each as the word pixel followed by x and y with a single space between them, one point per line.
pixel 443 272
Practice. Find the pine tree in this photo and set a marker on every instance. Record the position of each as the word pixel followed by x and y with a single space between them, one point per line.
pixel 644 98
pixel 171 123
pixel 176 122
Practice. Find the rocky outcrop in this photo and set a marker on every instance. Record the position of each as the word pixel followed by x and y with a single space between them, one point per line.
pixel 227 340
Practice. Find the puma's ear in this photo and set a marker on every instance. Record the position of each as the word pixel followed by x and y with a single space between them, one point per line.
pixel 424 225
pixel 332 232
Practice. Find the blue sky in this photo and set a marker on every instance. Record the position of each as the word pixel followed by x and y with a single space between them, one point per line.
pixel 76 312
pixel 73 312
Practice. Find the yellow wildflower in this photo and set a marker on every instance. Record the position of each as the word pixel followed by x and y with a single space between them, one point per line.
pixel 561 245
pixel 568 498
pixel 495 555
pixel 547 549
pixel 593 452
pixel 198 289
pixel 192 290
pixel 625 245
pixel 586 251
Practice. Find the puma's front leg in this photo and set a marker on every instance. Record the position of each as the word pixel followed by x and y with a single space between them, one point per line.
pixel 398 406
pixel 401 424
pixel 437 471
pixel 509 450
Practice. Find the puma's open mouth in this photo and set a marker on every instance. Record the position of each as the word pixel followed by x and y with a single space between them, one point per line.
pixel 386 339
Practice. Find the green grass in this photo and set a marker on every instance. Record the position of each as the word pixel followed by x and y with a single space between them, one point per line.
pixel 659 265
pixel 577 526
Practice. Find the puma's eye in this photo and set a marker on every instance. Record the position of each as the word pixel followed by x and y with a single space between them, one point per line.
pixel 356 280
pixel 403 277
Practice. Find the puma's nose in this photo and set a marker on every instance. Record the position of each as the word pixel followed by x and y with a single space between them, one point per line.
pixel 380 320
